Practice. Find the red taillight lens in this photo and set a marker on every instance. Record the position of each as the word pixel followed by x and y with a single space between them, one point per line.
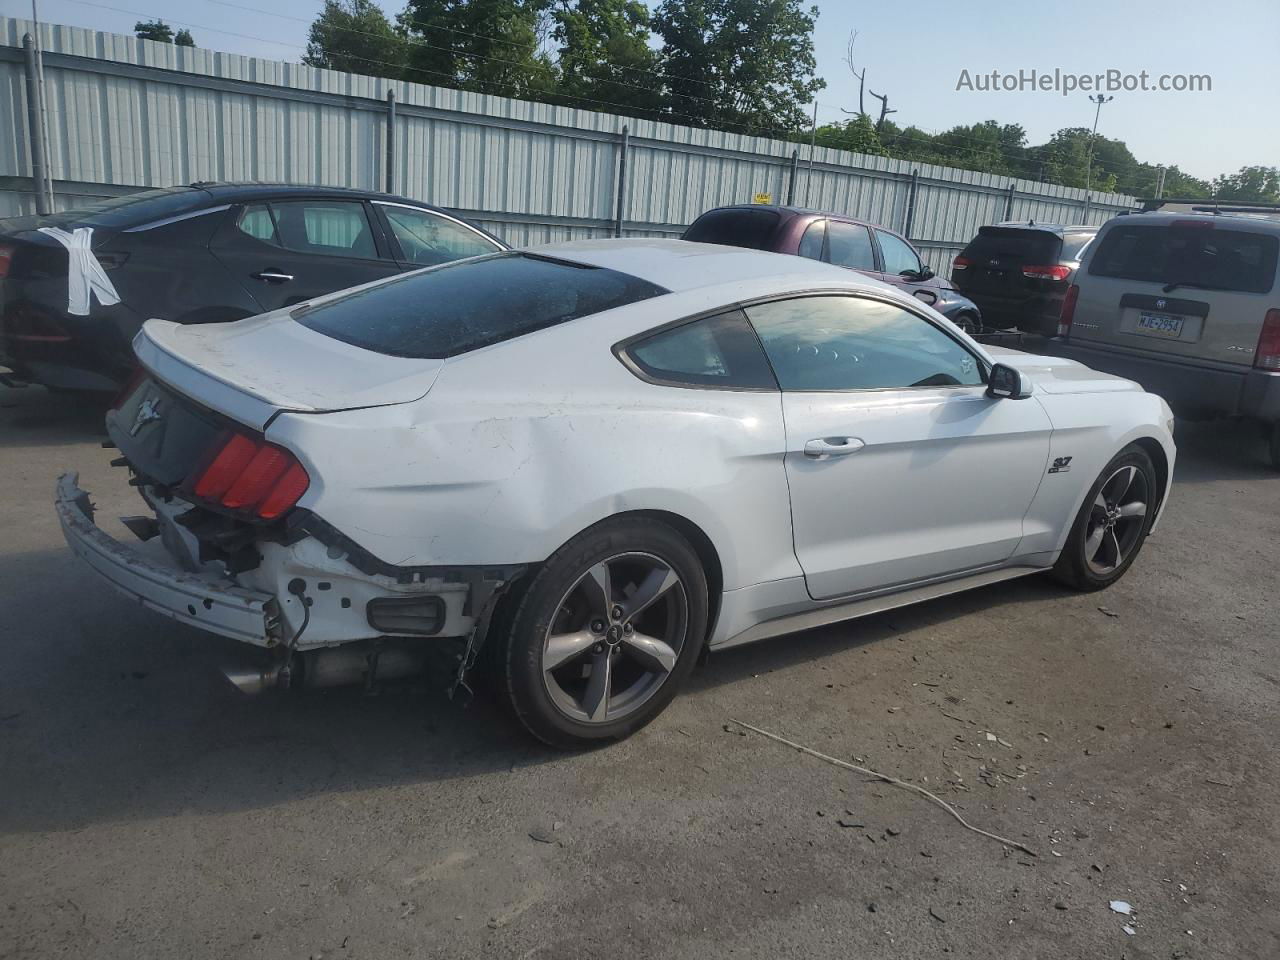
pixel 1055 272
pixel 1068 310
pixel 961 263
pixel 249 474
pixel 6 259
pixel 236 454
pixel 286 492
pixel 1267 356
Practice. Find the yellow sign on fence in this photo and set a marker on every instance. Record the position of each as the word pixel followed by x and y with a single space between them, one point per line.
pixel 764 198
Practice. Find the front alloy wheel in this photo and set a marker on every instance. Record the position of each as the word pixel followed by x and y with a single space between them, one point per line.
pixel 598 641
pixel 1116 520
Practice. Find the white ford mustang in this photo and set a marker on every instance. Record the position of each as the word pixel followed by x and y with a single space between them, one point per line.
pixel 587 464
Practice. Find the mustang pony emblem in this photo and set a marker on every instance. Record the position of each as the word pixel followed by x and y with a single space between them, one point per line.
pixel 147 413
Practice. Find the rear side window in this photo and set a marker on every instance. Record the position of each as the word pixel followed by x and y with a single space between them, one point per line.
pixel 468 304
pixel 721 351
pixel 736 227
pixel 337 228
pixel 1014 246
pixel 849 245
pixel 1194 256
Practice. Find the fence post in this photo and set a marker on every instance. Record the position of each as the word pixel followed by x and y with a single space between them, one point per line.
pixel 391 141
pixel 791 180
pixel 911 204
pixel 623 145
pixel 1088 198
pixel 35 137
pixel 1008 202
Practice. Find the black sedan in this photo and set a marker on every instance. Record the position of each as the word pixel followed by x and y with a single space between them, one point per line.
pixel 76 286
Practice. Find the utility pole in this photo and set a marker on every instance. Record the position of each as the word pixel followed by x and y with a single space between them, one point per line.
pixel 813 142
pixel 1099 100
pixel 1159 182
pixel 42 131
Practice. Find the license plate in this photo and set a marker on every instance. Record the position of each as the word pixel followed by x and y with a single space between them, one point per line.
pixel 1160 325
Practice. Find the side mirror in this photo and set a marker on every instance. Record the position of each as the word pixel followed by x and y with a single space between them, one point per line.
pixel 926 273
pixel 1006 383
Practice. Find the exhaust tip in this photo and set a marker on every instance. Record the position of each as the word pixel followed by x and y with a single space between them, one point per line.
pixel 252 681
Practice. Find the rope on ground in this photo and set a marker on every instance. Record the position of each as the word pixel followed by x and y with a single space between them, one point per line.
pixel 887 779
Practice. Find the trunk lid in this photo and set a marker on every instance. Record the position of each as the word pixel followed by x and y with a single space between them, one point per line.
pixel 997 256
pixel 1195 288
pixel 252 369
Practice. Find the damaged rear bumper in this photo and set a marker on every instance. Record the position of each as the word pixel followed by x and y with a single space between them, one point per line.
pixel 216 605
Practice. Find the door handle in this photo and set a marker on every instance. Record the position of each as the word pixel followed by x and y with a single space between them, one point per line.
pixel 272 276
pixel 827 447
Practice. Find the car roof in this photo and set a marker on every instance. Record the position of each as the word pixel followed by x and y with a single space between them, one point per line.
pixel 229 192
pixel 799 212
pixel 681 265
pixel 1258 222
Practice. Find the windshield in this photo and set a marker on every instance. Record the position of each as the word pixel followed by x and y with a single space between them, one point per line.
pixel 1195 255
pixel 462 306
pixel 1013 245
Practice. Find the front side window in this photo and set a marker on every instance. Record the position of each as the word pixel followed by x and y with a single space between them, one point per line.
pixel 468 304
pixel 899 257
pixel 849 245
pixel 338 228
pixel 427 239
pixel 855 343
pixel 720 351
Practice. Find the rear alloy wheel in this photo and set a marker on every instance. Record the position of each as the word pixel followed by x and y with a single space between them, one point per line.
pixel 965 322
pixel 1112 523
pixel 605 633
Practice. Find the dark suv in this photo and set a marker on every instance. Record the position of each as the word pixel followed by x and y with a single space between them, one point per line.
pixel 1019 273
pixel 206 253
pixel 835 238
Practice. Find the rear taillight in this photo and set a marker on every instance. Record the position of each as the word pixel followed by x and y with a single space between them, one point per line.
pixel 961 263
pixel 249 475
pixel 1267 356
pixel 1068 310
pixel 6 259
pixel 1055 272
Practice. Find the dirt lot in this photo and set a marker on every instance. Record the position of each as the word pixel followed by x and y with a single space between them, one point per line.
pixel 147 810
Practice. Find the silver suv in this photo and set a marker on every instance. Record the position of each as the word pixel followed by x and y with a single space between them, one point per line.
pixel 1187 305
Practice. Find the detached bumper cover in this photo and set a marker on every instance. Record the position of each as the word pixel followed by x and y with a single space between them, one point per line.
pixel 218 607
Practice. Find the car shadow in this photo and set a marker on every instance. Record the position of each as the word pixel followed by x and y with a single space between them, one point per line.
pixel 1220 450
pixel 34 417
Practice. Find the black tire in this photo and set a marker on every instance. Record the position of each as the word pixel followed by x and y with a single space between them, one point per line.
pixel 522 640
pixel 1273 445
pixel 966 322
pixel 1074 567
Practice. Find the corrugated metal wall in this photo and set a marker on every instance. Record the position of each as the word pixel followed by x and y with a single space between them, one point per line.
pixel 127 113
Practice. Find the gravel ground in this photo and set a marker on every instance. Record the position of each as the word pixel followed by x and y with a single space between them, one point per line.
pixel 147 810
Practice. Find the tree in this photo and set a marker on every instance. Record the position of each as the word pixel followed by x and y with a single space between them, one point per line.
pixel 857 135
pixel 355 36
pixel 604 55
pixel 153 30
pixel 489 46
pixel 1249 184
pixel 183 38
pixel 739 63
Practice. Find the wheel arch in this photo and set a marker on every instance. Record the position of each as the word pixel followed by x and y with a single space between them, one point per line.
pixel 1160 460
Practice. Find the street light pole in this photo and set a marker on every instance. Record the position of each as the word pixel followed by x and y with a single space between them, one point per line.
pixel 1099 100
pixel 45 187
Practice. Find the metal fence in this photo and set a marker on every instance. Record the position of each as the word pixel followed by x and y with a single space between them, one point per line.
pixel 126 114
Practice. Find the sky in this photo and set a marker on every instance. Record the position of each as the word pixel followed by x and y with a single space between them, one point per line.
pixel 916 52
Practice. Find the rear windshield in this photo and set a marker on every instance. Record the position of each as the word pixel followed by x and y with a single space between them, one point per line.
pixel 447 310
pixel 1193 256
pixel 1009 244
pixel 735 228
pixel 1073 245
pixel 135 208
